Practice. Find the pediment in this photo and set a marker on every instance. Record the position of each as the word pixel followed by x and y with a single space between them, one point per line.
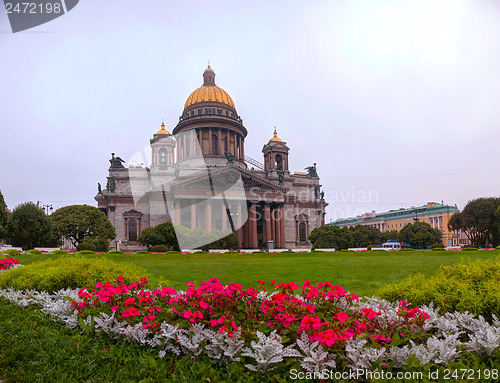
pixel 227 177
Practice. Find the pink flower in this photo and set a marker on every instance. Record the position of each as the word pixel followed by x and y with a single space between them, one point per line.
pixel 341 316
pixel 120 279
pixel 129 302
pixel 191 284
pixel 144 280
pixel 261 282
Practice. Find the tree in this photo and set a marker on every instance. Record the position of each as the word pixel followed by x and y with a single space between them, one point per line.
pixel 479 221
pixel 364 235
pixel 163 234
pixel 4 217
pixel 331 237
pixel 390 235
pixel 79 222
pixel 419 234
pixel 29 227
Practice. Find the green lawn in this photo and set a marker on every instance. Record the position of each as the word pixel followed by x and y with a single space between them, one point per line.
pixel 361 273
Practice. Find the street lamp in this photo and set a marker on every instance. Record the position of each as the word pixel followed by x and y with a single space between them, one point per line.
pixel 47 207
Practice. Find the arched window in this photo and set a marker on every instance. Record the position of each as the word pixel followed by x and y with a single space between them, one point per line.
pixel 302 232
pixel 132 230
pixel 279 162
pixel 163 156
pixel 215 144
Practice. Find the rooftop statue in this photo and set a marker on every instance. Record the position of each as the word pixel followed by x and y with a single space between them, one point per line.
pixel 116 162
pixel 311 171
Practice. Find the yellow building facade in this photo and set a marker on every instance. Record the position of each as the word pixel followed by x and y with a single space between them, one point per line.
pixel 435 214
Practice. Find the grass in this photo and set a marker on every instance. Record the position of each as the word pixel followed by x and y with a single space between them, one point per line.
pixel 361 273
pixel 35 349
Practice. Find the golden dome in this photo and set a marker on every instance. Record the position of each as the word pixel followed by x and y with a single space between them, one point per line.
pixel 209 91
pixel 275 137
pixel 162 130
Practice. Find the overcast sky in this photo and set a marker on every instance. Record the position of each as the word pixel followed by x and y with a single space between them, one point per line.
pixel 396 101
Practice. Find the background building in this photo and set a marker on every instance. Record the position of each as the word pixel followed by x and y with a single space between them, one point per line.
pixel 435 214
pixel 191 168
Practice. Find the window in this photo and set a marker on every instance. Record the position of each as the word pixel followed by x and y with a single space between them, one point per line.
pixel 302 232
pixel 163 156
pixel 215 144
pixel 278 162
pixel 132 230
pixel 199 111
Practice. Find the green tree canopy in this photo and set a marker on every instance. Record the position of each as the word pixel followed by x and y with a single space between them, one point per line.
pixel 163 234
pixel 390 234
pixel 29 227
pixel 331 237
pixel 364 235
pixel 419 234
pixel 4 217
pixel 80 222
pixel 479 221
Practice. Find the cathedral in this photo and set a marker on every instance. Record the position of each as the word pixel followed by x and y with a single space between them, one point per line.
pixel 199 177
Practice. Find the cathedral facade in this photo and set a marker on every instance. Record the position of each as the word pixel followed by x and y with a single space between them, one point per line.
pixel 199 177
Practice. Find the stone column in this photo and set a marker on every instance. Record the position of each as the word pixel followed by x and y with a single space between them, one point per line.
pixel 209 141
pixel 273 227
pixel 193 214
pixel 253 222
pixel 297 233
pixel 277 240
pixel 282 226
pixel 286 162
pixel 243 148
pixel 223 215
pixel 268 223
pixel 184 145
pixel 177 213
pixel 219 144
pixel 208 217
pixel 238 225
pixel 238 147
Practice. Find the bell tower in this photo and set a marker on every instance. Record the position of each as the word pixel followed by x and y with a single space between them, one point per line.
pixel 276 157
pixel 162 149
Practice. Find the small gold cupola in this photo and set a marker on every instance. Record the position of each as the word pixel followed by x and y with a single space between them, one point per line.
pixel 162 130
pixel 275 137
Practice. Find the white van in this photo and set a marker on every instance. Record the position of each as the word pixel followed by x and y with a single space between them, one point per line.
pixel 391 246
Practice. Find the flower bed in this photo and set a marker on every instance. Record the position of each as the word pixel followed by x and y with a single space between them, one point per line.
pixel 8 263
pixel 314 328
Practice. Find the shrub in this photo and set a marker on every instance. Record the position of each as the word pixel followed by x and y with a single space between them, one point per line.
pixel 115 252
pixel 469 248
pixel 83 252
pixel 86 245
pixel 12 252
pixel 497 248
pixel 159 249
pixel 347 251
pixel 438 245
pixel 101 244
pixel 33 251
pixel 142 252
pixel 68 272
pixel 438 249
pixel 406 249
pixel 473 287
pixel 59 252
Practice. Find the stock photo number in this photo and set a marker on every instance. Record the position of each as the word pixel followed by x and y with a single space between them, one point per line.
pixel 33 8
